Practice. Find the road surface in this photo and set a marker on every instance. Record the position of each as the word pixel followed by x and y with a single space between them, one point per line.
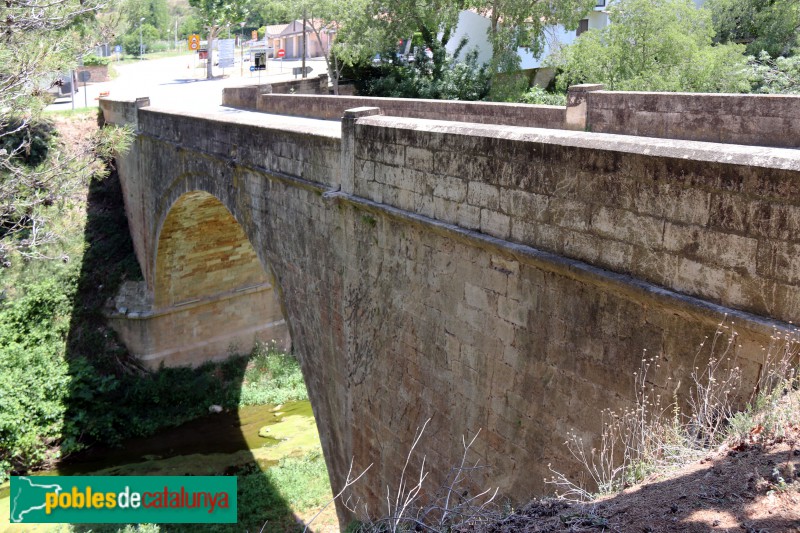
pixel 180 82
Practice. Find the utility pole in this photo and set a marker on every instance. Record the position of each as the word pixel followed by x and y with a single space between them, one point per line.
pixel 141 51
pixel 241 51
pixel 304 40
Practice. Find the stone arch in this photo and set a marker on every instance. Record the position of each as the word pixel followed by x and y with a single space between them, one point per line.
pixel 211 291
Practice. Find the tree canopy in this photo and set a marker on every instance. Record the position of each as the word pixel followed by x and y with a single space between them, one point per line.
pixel 771 26
pixel 654 45
pixel 154 12
pixel 39 44
pixel 215 15
pixel 522 23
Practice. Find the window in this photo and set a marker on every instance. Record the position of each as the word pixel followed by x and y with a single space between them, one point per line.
pixel 583 26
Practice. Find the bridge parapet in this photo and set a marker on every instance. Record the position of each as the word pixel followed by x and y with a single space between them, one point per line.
pixel 716 221
pixel 749 119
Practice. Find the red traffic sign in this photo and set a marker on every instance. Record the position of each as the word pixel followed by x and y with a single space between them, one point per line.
pixel 281 52
pixel 194 42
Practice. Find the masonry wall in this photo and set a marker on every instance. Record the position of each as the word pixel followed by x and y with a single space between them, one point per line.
pixel 247 97
pixel 420 293
pixel 753 120
pixel 243 97
pixel 713 221
pixel 760 120
pixel 126 112
pixel 207 329
pixel 333 107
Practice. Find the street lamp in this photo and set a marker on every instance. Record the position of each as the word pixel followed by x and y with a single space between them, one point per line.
pixel 141 51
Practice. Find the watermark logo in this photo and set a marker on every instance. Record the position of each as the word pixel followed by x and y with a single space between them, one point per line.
pixel 123 499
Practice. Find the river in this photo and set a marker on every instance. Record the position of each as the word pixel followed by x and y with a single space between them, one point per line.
pixel 267 447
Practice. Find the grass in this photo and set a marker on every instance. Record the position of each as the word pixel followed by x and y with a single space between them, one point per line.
pixel 154 55
pixel 77 113
pixel 271 377
pixel 68 381
pixel 264 495
pixel 655 436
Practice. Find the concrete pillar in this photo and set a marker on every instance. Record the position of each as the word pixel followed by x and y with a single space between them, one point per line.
pixel 577 111
pixel 348 177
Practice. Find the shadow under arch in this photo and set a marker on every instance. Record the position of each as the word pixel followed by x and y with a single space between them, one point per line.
pixel 108 264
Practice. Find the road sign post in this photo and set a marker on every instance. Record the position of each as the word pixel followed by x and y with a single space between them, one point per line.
pixel 280 54
pixel 84 76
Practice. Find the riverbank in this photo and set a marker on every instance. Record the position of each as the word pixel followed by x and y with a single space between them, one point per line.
pixel 71 390
pixel 275 452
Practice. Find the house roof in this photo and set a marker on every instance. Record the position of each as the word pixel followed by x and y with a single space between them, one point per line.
pixel 295 27
pixel 273 30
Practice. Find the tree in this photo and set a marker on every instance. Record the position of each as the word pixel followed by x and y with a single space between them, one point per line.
pixel 131 42
pixel 654 45
pixel 271 11
pixel 771 26
pixel 154 12
pixel 522 23
pixel 39 44
pixel 775 76
pixel 216 15
pixel 342 30
pixel 434 20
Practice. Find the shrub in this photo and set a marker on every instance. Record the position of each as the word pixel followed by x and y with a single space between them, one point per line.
pixel 653 436
pixel 29 143
pixel 92 60
pixel 420 78
pixel 775 76
pixel 537 95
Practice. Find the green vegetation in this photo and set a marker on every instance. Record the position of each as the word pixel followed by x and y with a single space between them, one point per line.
pixel 776 76
pixel 130 41
pixel 266 498
pixel 537 95
pixel 771 26
pixel 270 377
pixel 654 45
pixel 458 80
pixel 92 60
pixel 656 437
pixel 65 380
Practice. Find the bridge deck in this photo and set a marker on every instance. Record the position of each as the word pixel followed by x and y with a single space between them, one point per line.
pixel 325 128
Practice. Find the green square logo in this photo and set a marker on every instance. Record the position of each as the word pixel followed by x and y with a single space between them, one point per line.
pixel 123 499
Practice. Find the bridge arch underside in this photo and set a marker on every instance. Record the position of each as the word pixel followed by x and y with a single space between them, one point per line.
pixel 211 294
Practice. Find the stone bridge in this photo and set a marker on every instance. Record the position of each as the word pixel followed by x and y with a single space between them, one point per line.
pixel 492 277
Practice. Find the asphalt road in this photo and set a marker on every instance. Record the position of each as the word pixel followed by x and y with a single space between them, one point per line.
pixel 180 82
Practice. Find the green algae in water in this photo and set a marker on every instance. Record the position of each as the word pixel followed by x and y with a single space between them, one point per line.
pixel 225 443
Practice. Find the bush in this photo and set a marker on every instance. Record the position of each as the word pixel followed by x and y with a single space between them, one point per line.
pixel 271 377
pixel 455 80
pixel 537 95
pixel 775 76
pixel 92 60
pixel 34 375
pixel 31 143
